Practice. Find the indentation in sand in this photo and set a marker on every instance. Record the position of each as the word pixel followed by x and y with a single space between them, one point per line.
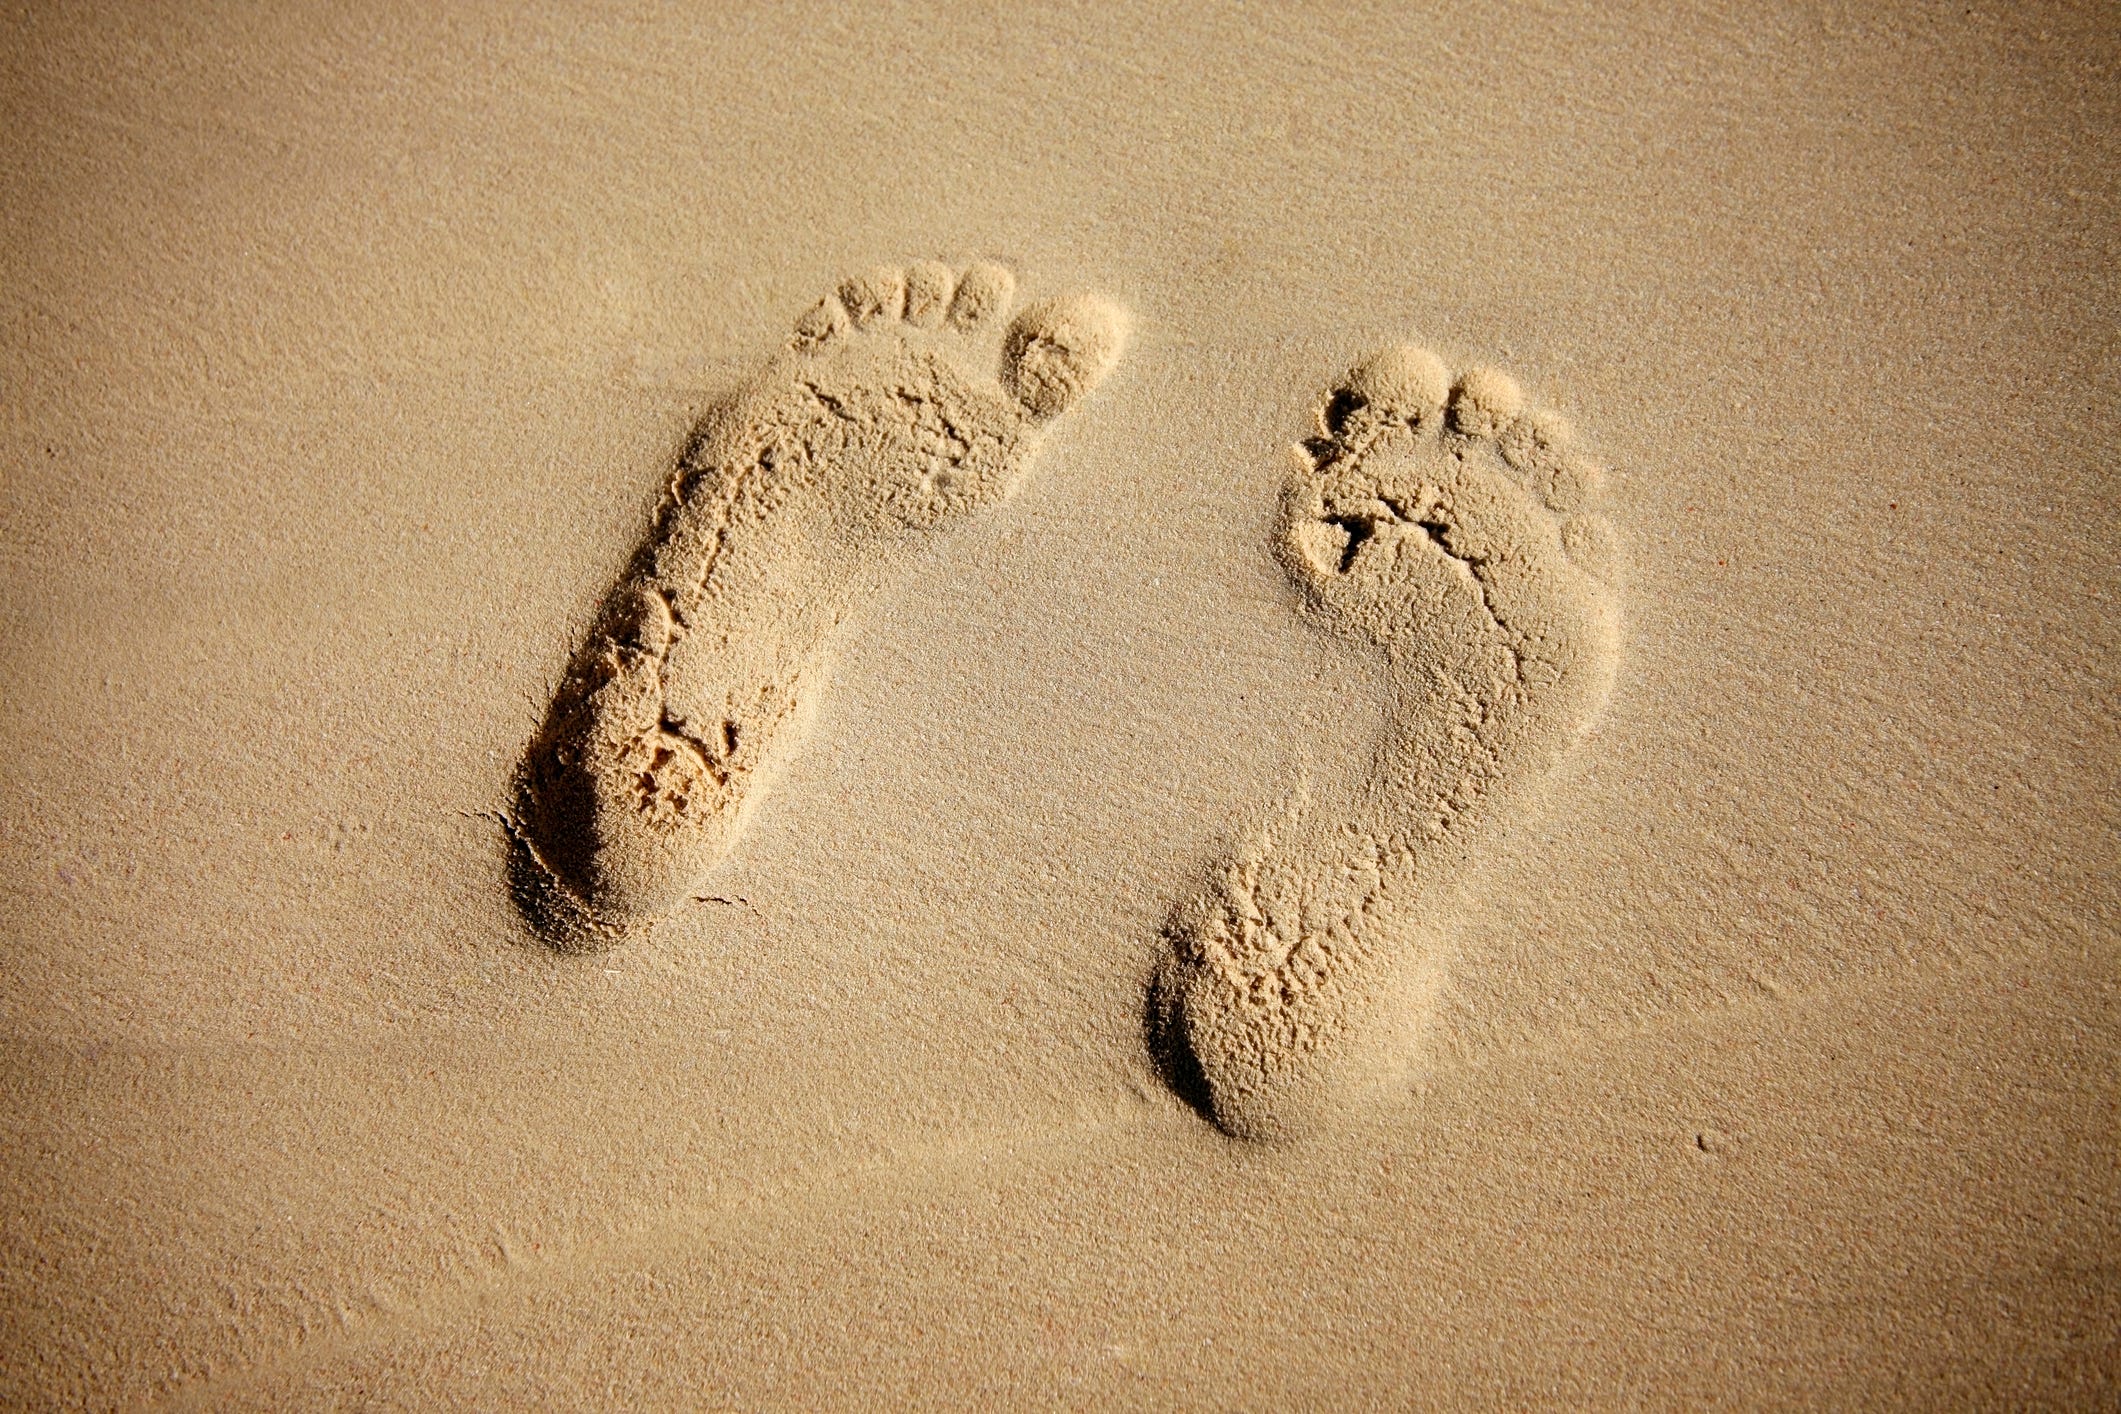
pixel 1446 525
pixel 794 503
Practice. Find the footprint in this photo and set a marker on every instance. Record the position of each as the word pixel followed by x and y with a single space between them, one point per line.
pixel 1446 526
pixel 795 503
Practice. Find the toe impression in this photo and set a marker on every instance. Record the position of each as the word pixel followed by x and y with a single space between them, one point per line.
pixel 1059 349
pixel 983 293
pixel 928 286
pixel 874 296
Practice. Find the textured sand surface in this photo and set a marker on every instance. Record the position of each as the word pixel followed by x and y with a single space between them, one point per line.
pixel 347 357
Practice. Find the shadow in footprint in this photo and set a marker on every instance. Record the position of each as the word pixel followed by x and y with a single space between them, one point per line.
pixel 1174 1061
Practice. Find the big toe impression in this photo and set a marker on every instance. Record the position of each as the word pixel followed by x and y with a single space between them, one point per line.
pixel 1059 349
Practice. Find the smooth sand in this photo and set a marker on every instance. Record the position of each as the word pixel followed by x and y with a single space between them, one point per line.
pixel 346 358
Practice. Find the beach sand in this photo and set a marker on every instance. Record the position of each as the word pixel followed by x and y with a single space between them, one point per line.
pixel 1764 1050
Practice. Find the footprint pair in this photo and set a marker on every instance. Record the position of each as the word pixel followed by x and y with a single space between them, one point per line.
pixel 1440 522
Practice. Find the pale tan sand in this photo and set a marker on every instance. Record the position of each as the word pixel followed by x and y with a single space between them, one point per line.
pixel 346 359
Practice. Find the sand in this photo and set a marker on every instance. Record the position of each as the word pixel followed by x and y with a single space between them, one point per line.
pixel 1758 1048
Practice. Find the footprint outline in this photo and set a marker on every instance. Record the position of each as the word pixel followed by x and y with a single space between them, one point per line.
pixel 1453 528
pixel 795 502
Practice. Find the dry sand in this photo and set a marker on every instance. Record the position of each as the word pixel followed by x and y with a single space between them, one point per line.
pixel 348 356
